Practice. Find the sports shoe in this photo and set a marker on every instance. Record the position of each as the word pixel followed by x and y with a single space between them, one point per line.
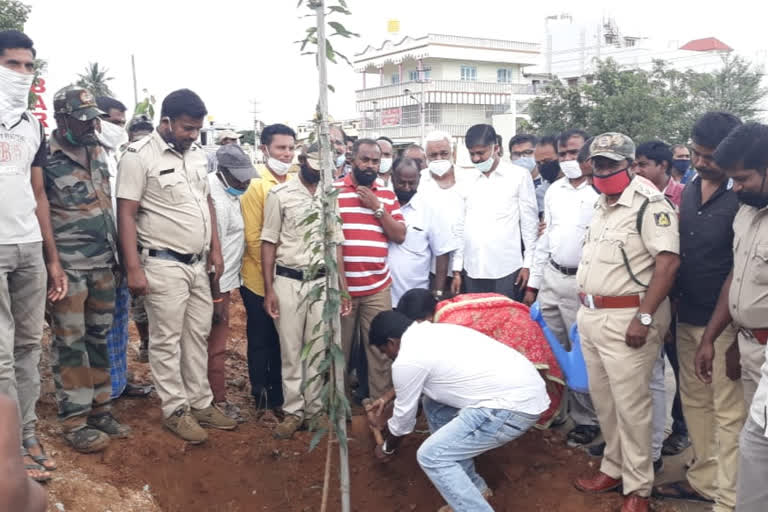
pixel 212 417
pixel 287 427
pixel 184 425
pixel 487 493
pixel 230 410
pixel 109 425
pixel 87 439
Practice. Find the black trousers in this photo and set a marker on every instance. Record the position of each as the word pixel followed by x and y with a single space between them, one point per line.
pixel 264 363
pixel 503 285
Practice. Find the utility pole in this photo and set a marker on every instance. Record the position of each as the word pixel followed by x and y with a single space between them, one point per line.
pixel 135 89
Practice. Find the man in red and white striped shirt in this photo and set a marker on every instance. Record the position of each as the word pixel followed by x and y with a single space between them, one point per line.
pixel 371 219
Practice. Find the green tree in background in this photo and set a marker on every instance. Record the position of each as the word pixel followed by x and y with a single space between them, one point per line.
pixel 248 137
pixel 95 80
pixel 661 103
pixel 13 14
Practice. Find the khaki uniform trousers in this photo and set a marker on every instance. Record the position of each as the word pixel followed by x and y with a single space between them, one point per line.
pixel 179 310
pixel 715 414
pixel 296 325
pixel 559 302
pixel 364 309
pixel 619 383
pixel 752 358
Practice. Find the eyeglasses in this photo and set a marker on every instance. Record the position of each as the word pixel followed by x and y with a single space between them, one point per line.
pixel 520 154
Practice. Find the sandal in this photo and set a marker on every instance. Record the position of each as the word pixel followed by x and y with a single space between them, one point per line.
pixel 137 390
pixel 681 490
pixel 40 459
pixel 43 475
pixel 582 435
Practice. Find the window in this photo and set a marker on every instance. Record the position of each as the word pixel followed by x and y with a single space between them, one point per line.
pixel 469 73
pixel 504 75
pixel 411 115
pixel 395 78
pixel 413 75
pixel 491 110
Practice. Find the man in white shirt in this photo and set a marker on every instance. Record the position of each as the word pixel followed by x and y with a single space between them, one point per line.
pixel 443 192
pixel 568 207
pixel 500 211
pixel 385 166
pixel 27 247
pixel 233 174
pixel 429 236
pixel 468 380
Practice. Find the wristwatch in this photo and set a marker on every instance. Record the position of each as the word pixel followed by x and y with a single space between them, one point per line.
pixel 438 294
pixel 379 213
pixel 385 451
pixel 645 319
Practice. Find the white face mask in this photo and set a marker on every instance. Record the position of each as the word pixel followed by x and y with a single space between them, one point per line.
pixel 112 135
pixel 571 169
pixel 385 166
pixel 340 160
pixel 277 166
pixel 486 166
pixel 14 94
pixel 439 167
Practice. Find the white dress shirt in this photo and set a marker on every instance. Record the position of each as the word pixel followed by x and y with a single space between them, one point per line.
pixel 231 229
pixel 427 236
pixel 460 367
pixel 568 211
pixel 759 407
pixel 500 210
pixel 449 204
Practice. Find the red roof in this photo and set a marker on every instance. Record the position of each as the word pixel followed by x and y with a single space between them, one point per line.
pixel 707 44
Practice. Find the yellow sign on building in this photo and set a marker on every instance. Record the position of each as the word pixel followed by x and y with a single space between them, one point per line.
pixel 393 26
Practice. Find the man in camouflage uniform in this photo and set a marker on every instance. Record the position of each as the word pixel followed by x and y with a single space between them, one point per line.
pixel 77 185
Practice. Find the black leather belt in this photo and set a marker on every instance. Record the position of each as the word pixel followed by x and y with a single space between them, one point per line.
pixel 297 274
pixel 563 270
pixel 168 254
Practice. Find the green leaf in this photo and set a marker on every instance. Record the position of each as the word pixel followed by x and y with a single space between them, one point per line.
pixel 329 53
pixel 341 10
pixel 317 438
pixel 331 88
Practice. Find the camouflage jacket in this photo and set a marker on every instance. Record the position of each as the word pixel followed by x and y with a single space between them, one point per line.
pixel 77 186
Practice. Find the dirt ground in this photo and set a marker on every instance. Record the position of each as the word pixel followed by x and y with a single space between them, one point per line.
pixel 248 470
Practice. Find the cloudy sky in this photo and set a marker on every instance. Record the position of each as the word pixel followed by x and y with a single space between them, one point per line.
pixel 235 52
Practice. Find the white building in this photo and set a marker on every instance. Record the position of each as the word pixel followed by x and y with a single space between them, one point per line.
pixel 460 81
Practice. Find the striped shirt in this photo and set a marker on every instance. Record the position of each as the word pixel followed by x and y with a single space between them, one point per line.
pixel 365 243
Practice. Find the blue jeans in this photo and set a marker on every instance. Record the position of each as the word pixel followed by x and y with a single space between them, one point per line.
pixel 458 435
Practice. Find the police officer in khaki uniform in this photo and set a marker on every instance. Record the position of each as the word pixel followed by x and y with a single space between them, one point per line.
pixel 627 268
pixel 286 261
pixel 168 243
pixel 744 300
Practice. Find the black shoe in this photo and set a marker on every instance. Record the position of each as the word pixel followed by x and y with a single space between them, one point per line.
pixel 658 465
pixel 596 450
pixel 582 435
pixel 675 444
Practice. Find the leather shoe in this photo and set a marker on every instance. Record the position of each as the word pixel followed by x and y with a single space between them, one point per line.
pixel 635 503
pixel 597 484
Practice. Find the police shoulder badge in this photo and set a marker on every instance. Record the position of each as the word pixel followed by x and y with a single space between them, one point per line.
pixel 662 219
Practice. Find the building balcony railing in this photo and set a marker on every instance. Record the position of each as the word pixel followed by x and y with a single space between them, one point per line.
pixel 454 86
pixel 413 132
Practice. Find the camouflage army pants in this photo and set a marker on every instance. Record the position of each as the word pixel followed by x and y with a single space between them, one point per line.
pixel 79 356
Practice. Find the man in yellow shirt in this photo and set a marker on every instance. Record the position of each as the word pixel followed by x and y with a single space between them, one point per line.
pixel 278 145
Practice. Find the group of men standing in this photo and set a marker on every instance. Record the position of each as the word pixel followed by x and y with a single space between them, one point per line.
pixel 597 230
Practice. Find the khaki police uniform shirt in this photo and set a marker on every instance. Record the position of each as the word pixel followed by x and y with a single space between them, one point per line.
pixel 748 296
pixel 288 204
pixel 172 191
pixel 602 270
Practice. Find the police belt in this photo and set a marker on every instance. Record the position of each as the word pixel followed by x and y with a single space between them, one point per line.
pixel 568 271
pixel 298 274
pixel 760 335
pixel 171 255
pixel 602 302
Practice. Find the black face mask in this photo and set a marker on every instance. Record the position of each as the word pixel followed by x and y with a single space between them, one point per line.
pixel 403 196
pixel 364 178
pixel 550 170
pixel 309 176
pixel 754 199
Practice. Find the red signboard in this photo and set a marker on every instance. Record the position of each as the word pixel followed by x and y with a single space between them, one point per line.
pixel 391 116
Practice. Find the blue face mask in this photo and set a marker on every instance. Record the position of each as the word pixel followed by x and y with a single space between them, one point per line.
pixel 234 191
pixel 340 160
pixel 486 166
